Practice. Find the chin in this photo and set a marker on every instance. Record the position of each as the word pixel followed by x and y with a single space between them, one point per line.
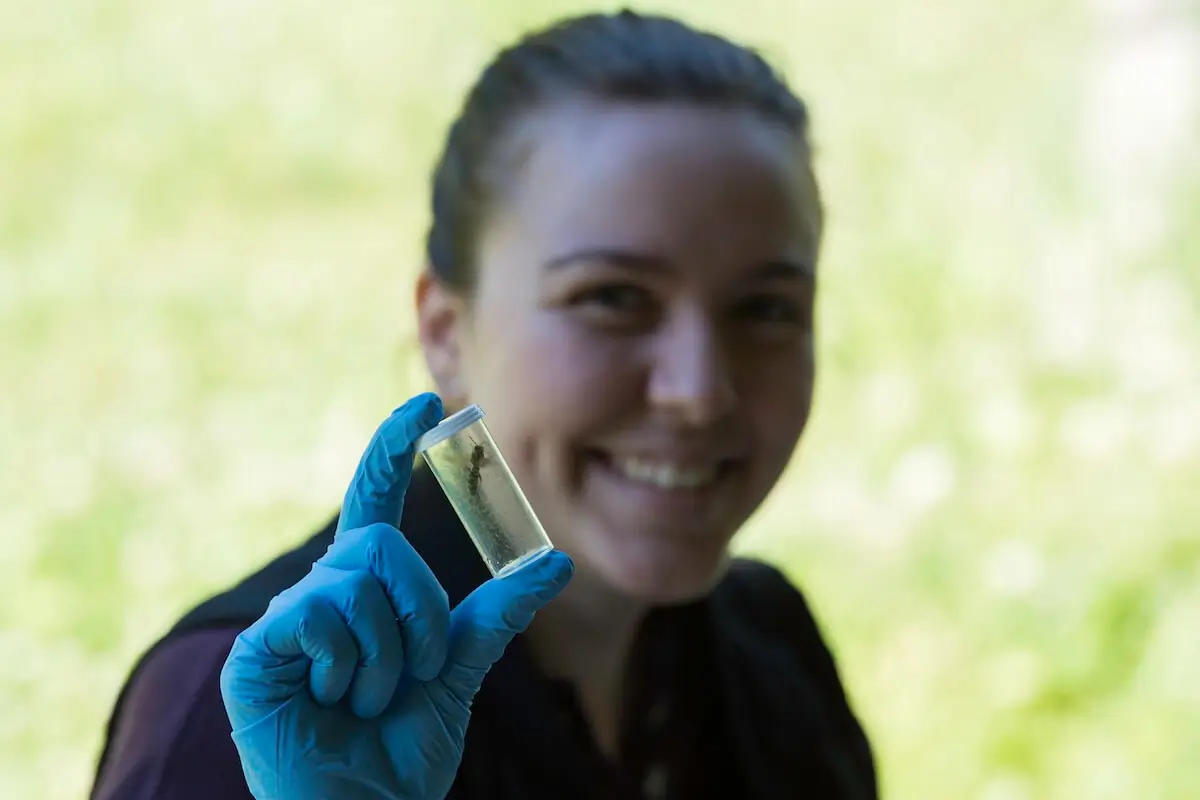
pixel 655 577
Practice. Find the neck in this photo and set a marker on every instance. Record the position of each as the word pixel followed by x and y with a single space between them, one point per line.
pixel 586 637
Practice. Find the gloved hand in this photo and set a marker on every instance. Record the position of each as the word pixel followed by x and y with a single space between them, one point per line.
pixel 358 681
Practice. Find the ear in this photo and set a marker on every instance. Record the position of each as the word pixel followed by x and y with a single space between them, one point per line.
pixel 441 324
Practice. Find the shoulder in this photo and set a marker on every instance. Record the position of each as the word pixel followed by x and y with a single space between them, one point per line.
pixel 774 645
pixel 758 581
pixel 241 604
pixel 171 738
pixel 767 600
pixel 769 612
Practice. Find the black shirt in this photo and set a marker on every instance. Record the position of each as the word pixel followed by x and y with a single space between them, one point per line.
pixel 734 696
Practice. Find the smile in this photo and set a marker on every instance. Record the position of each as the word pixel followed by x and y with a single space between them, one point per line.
pixel 665 475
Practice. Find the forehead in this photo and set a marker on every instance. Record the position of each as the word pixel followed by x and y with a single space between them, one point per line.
pixel 684 182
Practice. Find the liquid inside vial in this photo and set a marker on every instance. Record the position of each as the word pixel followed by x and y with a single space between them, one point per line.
pixel 486 497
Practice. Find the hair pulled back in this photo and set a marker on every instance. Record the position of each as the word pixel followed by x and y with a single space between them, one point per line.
pixel 614 57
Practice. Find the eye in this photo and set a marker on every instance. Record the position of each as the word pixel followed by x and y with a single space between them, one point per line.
pixel 773 309
pixel 616 296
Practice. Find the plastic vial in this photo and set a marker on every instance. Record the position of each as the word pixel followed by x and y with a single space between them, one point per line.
pixel 466 462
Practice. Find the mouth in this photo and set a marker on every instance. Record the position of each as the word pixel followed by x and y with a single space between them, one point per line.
pixel 663 474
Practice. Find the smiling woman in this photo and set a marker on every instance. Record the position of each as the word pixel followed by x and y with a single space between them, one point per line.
pixel 647 283
pixel 622 268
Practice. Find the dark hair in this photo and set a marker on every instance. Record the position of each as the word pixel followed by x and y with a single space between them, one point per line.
pixel 623 56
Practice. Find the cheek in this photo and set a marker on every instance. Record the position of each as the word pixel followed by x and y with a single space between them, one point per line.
pixel 549 379
pixel 587 380
pixel 776 397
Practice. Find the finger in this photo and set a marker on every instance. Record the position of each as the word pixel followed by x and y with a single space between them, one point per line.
pixel 314 629
pixel 254 681
pixel 417 600
pixel 487 619
pixel 359 599
pixel 376 492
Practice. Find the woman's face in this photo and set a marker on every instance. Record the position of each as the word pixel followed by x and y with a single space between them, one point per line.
pixel 641 334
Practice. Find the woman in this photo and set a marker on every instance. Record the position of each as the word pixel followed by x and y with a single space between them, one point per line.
pixel 621 271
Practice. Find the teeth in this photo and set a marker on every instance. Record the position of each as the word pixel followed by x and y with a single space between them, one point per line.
pixel 665 476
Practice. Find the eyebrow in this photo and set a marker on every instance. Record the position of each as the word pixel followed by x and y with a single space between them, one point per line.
pixel 776 269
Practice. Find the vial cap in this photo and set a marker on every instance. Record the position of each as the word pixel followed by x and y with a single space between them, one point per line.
pixel 448 427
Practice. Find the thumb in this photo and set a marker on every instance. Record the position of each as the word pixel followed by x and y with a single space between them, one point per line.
pixel 483 624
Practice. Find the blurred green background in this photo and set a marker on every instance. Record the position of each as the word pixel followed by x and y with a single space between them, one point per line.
pixel 211 214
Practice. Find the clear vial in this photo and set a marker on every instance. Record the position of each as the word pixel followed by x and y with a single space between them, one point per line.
pixel 467 463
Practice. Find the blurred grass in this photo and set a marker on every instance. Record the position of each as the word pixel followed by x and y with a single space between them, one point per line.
pixel 210 215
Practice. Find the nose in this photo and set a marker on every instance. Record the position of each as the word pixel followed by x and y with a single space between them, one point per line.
pixel 690 376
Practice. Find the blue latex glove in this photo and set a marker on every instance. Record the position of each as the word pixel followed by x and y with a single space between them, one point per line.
pixel 358 681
